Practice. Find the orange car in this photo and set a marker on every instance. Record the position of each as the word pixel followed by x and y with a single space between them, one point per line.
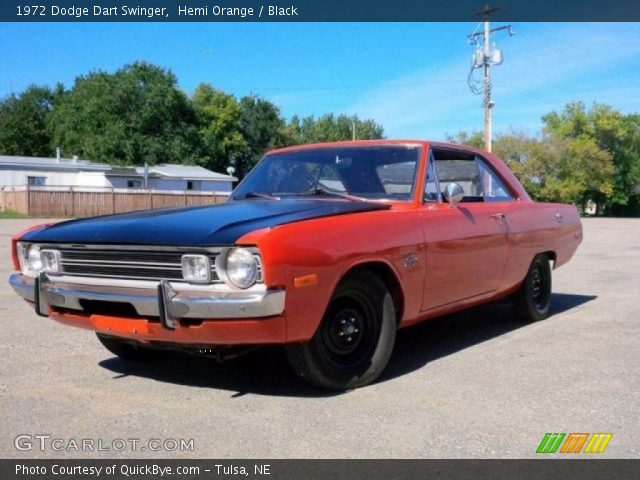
pixel 327 249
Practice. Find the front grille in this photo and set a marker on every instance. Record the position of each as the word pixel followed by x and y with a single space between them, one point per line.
pixel 126 263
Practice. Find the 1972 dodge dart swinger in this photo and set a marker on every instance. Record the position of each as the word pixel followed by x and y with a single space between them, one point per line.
pixel 327 249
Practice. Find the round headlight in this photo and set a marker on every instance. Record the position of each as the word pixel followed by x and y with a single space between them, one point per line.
pixel 33 258
pixel 241 267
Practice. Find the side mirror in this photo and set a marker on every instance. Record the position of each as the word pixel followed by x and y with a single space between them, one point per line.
pixel 453 193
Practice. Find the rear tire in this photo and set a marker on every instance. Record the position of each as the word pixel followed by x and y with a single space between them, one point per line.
pixel 354 341
pixel 127 350
pixel 532 301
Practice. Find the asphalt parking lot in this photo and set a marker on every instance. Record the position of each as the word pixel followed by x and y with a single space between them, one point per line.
pixel 475 384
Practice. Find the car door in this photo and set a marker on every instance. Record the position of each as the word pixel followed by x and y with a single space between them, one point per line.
pixel 466 244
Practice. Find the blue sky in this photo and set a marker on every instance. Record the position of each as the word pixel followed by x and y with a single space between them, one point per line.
pixel 412 78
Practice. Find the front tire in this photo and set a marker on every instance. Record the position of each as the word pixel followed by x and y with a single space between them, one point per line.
pixel 127 350
pixel 354 341
pixel 533 300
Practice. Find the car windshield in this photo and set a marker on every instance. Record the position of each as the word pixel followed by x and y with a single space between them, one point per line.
pixel 385 172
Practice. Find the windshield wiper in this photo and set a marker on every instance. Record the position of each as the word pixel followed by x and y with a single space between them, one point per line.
pixel 319 191
pixel 268 196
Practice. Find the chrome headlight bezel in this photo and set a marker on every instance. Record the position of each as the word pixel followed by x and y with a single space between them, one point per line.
pixel 234 254
pixel 31 258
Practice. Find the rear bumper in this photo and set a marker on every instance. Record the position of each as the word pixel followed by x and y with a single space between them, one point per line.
pixel 222 316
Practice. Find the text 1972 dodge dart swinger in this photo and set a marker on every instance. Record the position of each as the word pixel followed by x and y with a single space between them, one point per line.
pixel 326 248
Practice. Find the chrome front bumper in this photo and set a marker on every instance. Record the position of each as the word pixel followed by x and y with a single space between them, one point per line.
pixel 168 300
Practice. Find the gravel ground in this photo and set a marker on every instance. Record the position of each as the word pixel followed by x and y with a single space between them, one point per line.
pixel 475 384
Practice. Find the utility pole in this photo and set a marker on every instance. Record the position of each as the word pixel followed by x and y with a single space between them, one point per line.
pixel 353 129
pixel 486 99
pixel 485 57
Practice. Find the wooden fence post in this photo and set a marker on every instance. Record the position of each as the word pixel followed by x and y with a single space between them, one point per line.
pixel 113 200
pixel 28 212
pixel 73 202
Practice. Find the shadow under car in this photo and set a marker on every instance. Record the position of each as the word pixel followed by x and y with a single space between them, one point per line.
pixel 265 371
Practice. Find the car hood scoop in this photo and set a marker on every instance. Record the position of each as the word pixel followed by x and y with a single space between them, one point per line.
pixel 209 225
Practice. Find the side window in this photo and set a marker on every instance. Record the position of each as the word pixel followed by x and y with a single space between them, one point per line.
pixel 493 187
pixel 460 168
pixel 431 187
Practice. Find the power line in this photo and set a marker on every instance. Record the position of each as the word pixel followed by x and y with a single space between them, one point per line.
pixel 530 94
pixel 578 48
pixel 344 87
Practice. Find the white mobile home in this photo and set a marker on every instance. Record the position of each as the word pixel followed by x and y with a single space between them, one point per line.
pixel 39 172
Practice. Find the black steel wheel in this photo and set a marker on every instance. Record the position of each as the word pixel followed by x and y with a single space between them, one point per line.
pixel 533 298
pixel 128 350
pixel 355 339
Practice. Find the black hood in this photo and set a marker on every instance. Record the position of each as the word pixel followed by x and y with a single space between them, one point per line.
pixel 207 225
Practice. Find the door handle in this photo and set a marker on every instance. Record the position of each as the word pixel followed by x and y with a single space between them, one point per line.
pixel 498 216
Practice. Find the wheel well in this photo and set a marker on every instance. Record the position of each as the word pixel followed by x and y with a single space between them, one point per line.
pixel 388 277
pixel 551 255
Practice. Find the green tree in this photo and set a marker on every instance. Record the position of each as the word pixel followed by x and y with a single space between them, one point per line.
pixel 626 189
pixel 553 168
pixel 23 128
pixel 475 138
pixel 132 116
pixel 219 120
pixel 262 129
pixel 330 128
pixel 572 171
pixel 613 132
pixel 525 156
